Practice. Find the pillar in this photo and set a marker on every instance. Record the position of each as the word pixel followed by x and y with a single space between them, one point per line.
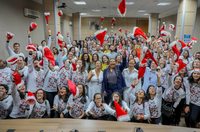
pixel 76 20
pixel 153 23
pixel 54 20
pixel 186 18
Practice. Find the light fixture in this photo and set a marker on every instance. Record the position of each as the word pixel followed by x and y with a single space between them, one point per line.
pixel 141 11
pixel 80 2
pixel 129 3
pixel 163 4
pixel 145 14
pixel 96 10
pixel 83 14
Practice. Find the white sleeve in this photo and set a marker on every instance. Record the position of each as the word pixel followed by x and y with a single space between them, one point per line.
pixel 65 111
pixel 25 74
pixel 187 90
pixel 90 106
pixel 159 92
pixel 30 63
pixel 55 101
pixel 130 95
pixel 10 51
pixel 15 94
pixel 49 41
pixel 48 108
pixel 125 106
pixel 69 41
pixel 87 103
pixel 178 101
pixel 147 112
pixel 109 110
pixel 46 68
pixel 60 63
pixel 6 105
pixel 169 79
pixel 28 112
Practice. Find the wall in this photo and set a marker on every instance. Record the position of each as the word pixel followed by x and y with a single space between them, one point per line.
pixel 65 19
pixel 196 47
pixel 169 20
pixel 12 19
pixel 124 23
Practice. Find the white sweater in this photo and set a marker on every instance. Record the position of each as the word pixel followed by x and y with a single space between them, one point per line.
pixel 5 107
pixel 98 111
pixel 11 52
pixel 61 107
pixel 5 77
pixel 194 94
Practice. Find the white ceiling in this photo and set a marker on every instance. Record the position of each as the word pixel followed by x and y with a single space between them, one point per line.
pixel 111 8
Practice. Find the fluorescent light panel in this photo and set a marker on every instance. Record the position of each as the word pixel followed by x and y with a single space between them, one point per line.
pixel 83 14
pixel 96 10
pixel 163 4
pixel 145 14
pixel 129 3
pixel 141 11
pixel 80 2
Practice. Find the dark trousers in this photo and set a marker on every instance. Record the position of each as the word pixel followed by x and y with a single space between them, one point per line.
pixel 84 117
pixel 178 111
pixel 57 115
pixel 156 120
pixel 100 118
pixel 111 118
pixel 167 120
pixel 133 119
pixel 112 88
pixel 191 116
pixel 50 97
pixel 17 118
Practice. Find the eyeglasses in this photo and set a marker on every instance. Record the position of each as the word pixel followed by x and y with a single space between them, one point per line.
pixel 98 98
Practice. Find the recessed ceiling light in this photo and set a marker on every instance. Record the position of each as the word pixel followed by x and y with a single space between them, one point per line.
pixel 145 14
pixel 163 4
pixel 129 3
pixel 83 14
pixel 96 10
pixel 141 11
pixel 80 2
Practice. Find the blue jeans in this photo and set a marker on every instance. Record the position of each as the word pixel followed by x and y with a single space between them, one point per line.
pixel 112 88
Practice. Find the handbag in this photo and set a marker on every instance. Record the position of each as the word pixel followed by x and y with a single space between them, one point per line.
pixel 138 129
pixel 167 109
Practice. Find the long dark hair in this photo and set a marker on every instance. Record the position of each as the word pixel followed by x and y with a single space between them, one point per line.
pixel 93 57
pixel 83 99
pixel 66 96
pixel 191 79
pixel 112 101
pixel 74 50
pixel 82 68
pixel 21 94
pixel 148 97
pixel 143 100
pixel 83 61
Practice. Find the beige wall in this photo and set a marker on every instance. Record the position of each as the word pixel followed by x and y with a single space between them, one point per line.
pixel 196 47
pixel 124 23
pixel 65 19
pixel 169 20
pixel 12 19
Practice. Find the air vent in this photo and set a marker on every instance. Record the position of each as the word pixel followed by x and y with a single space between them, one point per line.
pixel 31 13
pixel 104 7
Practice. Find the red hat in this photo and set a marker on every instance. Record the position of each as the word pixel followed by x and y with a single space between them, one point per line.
pixel 148 55
pixel 172 27
pixel 126 31
pixel 18 81
pixel 13 59
pixel 175 50
pixel 47 54
pixel 100 35
pixel 181 64
pixel 194 41
pixel 30 99
pixel 33 26
pixel 113 19
pixel 60 13
pixel 142 68
pixel 122 8
pixel 161 39
pixel 120 113
pixel 58 33
pixel 73 88
pixel 138 31
pixel 102 19
pixel 184 46
pixel 162 31
pixel 196 70
pixel 40 64
pixel 120 47
pixel 9 35
pixel 60 40
pixel 75 66
pixel 31 47
pixel 47 16
pixel 120 30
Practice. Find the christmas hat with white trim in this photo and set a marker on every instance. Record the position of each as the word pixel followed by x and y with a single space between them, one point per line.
pixel 175 49
pixel 192 42
pixel 113 19
pixel 138 31
pixel 12 60
pixel 162 40
pixel 196 70
pixel 100 35
pixel 40 63
pixel 47 16
pixel 148 55
pixel 60 40
pixel 184 46
pixel 142 68
pixel 120 29
pixel 122 116
pixel 102 19
pixel 10 35
pixel 162 31
pixel 31 47
pixel 172 27
pixel 122 8
pixel 73 88
pixel 58 33
pixel 47 54
pixel 18 81
pixel 180 64
pixel 33 26
pixel 30 99
pixel 60 13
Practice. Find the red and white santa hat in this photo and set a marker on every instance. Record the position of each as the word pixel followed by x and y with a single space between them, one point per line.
pixel 175 50
pixel 60 40
pixel 126 31
pixel 58 33
pixel 142 68
pixel 193 41
pixel 148 55
pixel 162 31
pixel 196 70
pixel 47 16
pixel 184 46
pixel 10 35
pixel 120 47
pixel 60 13
pixel 12 60
pixel 40 63
pixel 73 88
pixel 18 81
pixel 102 19
pixel 162 40
pixel 47 54
pixel 181 64
pixel 31 47
pixel 33 26
pixel 113 19
pixel 122 8
pixel 30 99
pixel 100 35
pixel 120 29
pixel 172 27
pixel 138 31
pixel 122 116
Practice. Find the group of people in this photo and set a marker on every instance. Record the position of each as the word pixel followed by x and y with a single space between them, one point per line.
pixel 103 75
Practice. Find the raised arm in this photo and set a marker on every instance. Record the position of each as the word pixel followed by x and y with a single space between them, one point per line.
pixel 123 65
pixel 15 94
pixel 46 68
pixel 10 51
pixel 131 96
pixel 60 58
pixel 30 62
pixel 49 39
pixel 29 37
pixel 90 106
pixel 69 41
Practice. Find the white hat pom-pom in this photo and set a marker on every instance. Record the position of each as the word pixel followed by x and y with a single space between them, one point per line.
pixel 40 48
pixel 181 57
pixel 77 66
pixel 56 68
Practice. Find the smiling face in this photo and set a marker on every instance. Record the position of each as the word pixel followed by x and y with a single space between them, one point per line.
pixel 183 70
pixel 118 59
pixel 79 62
pixel 16 47
pixel 98 65
pixel 80 87
pixel 112 63
pixel 95 57
pixel 63 91
pixel 153 66
pixel 196 64
pixel 51 65
pixel 23 88
pixel 85 57
pixel 186 54
pixel 39 95
pixel 98 99
pixel 3 91
pixel 178 81
pixel 20 62
pixel 196 75
pixel 131 63
pixel 162 62
pixel 105 59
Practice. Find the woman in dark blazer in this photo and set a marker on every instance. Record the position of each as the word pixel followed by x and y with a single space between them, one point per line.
pixel 113 80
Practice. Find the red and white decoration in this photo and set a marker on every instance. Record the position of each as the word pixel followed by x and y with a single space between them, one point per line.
pixel 12 60
pixel 113 20
pixel 73 88
pixel 58 33
pixel 180 64
pixel 33 26
pixel 120 47
pixel 60 40
pixel 122 8
pixel 120 30
pixel 10 35
pixel 47 54
pixel 122 116
pixel 175 50
pixel 126 31
pixel 60 13
pixel 30 99
pixel 102 19
pixel 18 81
pixel 31 47
pixel 100 35
pixel 172 27
pixel 148 55
pixel 47 16
pixel 184 46
pixel 162 31
pixel 138 31
pixel 40 63
pixel 192 42
pixel 142 68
